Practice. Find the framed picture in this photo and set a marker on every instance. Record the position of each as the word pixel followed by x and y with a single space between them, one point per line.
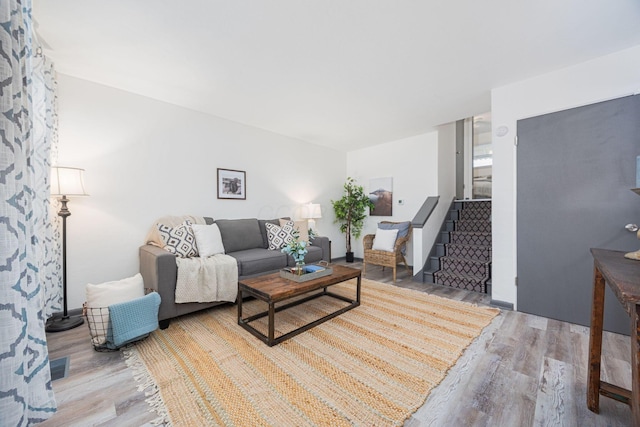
pixel 232 184
pixel 381 195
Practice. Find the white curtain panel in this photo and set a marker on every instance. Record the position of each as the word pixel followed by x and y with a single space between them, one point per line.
pixel 26 396
pixel 46 219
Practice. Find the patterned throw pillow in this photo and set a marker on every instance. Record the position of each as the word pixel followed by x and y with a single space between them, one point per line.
pixel 179 240
pixel 279 237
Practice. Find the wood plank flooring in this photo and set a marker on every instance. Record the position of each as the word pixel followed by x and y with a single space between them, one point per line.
pixel 523 370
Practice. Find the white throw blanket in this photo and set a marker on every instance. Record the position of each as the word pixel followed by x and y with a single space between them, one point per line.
pixel 214 278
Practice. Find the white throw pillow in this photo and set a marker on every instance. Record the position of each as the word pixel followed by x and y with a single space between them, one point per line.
pixel 208 239
pixel 385 240
pixel 102 295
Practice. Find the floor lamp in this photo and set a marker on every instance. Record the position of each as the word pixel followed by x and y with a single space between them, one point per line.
pixel 65 182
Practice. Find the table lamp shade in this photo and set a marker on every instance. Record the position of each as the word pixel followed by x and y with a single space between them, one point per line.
pixel 311 211
pixel 66 181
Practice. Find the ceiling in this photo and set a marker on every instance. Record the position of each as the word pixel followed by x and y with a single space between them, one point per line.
pixel 344 74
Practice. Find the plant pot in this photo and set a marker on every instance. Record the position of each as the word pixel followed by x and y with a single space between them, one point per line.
pixel 349 256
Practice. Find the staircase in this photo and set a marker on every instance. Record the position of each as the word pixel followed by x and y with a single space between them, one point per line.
pixel 462 255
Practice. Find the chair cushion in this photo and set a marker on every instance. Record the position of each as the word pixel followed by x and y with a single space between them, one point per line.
pixel 402 227
pixel 385 240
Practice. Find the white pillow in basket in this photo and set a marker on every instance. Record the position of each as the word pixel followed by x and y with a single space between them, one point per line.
pixel 105 294
pixel 385 240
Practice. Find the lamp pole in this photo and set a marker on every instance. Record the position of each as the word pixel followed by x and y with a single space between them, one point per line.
pixel 65 322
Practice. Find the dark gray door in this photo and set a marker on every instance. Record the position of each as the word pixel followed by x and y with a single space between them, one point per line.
pixel 575 169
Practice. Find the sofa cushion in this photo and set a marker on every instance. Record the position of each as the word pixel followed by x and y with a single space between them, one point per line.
pixel 253 261
pixel 240 234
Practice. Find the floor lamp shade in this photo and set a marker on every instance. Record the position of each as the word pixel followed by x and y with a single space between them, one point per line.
pixel 65 181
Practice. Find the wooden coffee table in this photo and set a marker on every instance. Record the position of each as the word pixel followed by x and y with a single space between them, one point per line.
pixel 274 289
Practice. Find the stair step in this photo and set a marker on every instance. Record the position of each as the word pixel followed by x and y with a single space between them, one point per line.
pixel 480 253
pixel 466 267
pixel 474 214
pixel 434 263
pixel 472 226
pixel 480 205
pixel 470 238
pixel 461 281
pixel 427 276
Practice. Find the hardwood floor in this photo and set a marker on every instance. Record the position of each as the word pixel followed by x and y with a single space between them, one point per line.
pixel 523 370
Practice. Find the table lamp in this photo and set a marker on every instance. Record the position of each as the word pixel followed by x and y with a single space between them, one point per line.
pixel 310 212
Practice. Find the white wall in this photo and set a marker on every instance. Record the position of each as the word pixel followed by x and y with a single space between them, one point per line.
pixel 604 78
pixel 425 237
pixel 413 165
pixel 145 159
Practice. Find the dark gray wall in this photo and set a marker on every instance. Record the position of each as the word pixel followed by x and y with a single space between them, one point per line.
pixel 575 169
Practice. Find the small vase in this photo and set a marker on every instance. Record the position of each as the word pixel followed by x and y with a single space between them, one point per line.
pixel 299 267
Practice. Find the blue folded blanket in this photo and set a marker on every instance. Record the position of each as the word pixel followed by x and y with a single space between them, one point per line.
pixel 133 319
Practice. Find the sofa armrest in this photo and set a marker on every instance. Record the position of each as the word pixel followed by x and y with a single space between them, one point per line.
pixel 159 272
pixel 325 244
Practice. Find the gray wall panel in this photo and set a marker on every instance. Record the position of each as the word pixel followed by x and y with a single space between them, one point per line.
pixel 575 169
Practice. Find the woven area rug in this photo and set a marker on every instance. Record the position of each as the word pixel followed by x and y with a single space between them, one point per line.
pixel 371 366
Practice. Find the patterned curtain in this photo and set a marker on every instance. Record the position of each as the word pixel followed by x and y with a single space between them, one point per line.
pixel 26 396
pixel 46 219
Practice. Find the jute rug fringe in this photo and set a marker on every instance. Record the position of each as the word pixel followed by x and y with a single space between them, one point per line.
pixel 146 383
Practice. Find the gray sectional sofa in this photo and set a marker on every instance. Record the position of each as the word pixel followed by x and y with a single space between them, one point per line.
pixel 243 239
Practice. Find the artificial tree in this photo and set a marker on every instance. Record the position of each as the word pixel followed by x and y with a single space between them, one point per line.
pixel 350 211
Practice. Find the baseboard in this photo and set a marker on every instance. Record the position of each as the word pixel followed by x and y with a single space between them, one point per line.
pixel 502 304
pixel 343 259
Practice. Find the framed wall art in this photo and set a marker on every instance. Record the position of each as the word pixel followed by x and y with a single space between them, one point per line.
pixel 381 195
pixel 232 184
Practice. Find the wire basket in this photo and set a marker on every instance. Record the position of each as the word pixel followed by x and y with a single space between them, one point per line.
pixel 100 329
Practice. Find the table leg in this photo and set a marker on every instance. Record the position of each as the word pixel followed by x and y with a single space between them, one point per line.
pixel 272 311
pixel 358 286
pixel 635 364
pixel 239 307
pixel 595 342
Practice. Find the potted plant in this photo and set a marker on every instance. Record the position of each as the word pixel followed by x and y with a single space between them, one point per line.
pixel 351 211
